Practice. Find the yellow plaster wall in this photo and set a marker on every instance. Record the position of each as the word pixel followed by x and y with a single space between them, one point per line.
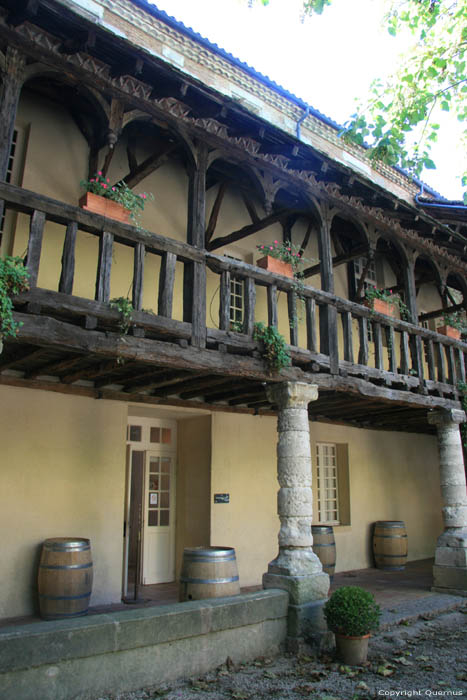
pixel 193 484
pixel 62 474
pixel 393 476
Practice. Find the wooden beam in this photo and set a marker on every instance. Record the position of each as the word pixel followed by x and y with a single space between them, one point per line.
pixel 148 166
pixel 247 230
pixel 337 260
pixel 215 211
pixel 12 82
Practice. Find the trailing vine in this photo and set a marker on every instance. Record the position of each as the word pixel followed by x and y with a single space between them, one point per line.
pixel 14 279
pixel 275 352
pixel 125 307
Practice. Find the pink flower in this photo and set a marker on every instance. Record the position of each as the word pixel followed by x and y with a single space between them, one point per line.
pixel 288 249
pixel 271 247
pixel 113 189
pixel 275 242
pixel 100 172
pixel 91 180
pixel 107 180
pixel 104 186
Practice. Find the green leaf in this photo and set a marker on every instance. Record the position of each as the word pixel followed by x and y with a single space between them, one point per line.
pixel 429 164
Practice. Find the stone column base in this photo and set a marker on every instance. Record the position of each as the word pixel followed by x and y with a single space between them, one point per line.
pixel 450 569
pixel 306 626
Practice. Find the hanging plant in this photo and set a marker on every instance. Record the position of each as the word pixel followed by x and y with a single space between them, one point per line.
pixel 275 352
pixel 14 279
pixel 125 308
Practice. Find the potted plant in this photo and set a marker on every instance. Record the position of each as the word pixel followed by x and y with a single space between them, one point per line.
pixel 281 258
pixel 115 202
pixel 352 614
pixel 454 326
pixel 383 301
pixel 14 279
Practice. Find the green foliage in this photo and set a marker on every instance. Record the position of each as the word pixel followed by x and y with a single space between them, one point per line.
pixel 386 295
pixel 287 252
pixel 431 77
pixel 352 611
pixel 456 320
pixel 13 280
pixel 120 193
pixel 275 352
pixel 125 307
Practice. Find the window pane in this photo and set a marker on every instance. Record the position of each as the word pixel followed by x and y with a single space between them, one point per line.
pixel 165 499
pixel 153 482
pixel 165 482
pixel 165 466
pixel 164 517
pixel 154 465
pixel 134 433
pixel 155 435
pixel 152 517
pixel 166 436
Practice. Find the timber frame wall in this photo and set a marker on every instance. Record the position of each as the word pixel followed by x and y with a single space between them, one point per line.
pixel 75 341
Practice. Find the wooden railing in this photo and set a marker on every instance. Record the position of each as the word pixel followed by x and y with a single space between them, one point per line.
pixel 333 337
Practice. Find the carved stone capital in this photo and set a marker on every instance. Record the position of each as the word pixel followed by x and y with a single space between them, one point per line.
pixel 292 394
pixel 444 417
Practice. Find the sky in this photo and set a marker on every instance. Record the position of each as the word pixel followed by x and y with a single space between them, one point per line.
pixel 327 61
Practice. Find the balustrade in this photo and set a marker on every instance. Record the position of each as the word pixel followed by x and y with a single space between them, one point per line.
pixel 325 332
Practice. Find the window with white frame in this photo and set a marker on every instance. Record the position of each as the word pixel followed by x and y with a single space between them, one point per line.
pixel 9 171
pixel 370 277
pixel 327 482
pixel 236 305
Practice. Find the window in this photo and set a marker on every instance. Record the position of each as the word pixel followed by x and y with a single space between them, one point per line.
pixel 237 306
pixel 326 466
pixel 9 172
pixel 332 494
pixel 14 175
pixel 370 281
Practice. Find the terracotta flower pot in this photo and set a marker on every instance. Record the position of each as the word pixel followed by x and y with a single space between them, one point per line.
pixel 381 307
pixel 104 207
pixel 279 267
pixel 450 332
pixel 352 650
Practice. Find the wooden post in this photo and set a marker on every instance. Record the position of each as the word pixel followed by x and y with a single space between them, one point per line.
pixel 327 313
pixel 411 292
pixel 194 278
pixel 12 79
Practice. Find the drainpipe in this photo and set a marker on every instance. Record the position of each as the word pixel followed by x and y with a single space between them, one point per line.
pixel 301 120
pixel 435 204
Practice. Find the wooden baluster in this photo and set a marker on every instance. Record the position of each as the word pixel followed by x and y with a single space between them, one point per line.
pixel 138 276
pixel 441 362
pixel 404 352
pixel 36 233
pixel 431 360
pixel 249 302
pixel 346 318
pixel 378 340
pixel 390 340
pixel 194 301
pixel 416 352
pixel 272 305
pixel 328 342
pixel 310 310
pixel 363 338
pixel 166 285
pixel 224 301
pixel 104 267
pixel 68 259
pixel 293 321
pixel 461 364
pixel 452 370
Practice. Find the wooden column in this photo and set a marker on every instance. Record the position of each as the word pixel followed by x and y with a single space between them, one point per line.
pixel 12 81
pixel 327 313
pixel 194 279
pixel 411 291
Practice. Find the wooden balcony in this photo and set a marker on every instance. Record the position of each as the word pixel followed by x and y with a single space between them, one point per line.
pixel 173 355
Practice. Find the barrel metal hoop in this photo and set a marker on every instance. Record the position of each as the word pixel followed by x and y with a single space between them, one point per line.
pixel 392 537
pixel 323 544
pixel 67 566
pixel 67 546
pixel 64 597
pixel 185 579
pixel 218 560
pixel 56 616
pixel 391 556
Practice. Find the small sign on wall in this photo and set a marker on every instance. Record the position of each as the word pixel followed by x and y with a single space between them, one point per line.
pixel 222 498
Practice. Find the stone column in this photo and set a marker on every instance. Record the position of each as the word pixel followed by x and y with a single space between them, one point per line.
pixel 450 569
pixel 296 568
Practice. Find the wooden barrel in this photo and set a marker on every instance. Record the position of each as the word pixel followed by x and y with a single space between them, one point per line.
pixel 208 572
pixel 390 545
pixel 324 547
pixel 65 577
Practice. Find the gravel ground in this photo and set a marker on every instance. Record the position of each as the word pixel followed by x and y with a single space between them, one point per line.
pixel 426 658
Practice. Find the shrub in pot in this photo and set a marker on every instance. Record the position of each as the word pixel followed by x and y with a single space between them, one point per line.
pixel 352 614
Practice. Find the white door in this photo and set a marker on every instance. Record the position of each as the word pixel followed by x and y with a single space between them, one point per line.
pixel 159 518
pixel 153 442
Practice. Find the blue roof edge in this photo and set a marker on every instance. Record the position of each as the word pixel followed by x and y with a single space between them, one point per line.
pixel 188 31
